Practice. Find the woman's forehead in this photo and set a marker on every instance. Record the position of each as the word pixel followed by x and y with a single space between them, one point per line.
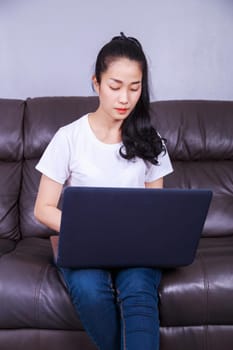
pixel 124 68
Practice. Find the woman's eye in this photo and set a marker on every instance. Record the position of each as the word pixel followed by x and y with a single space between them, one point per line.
pixel 114 88
pixel 118 88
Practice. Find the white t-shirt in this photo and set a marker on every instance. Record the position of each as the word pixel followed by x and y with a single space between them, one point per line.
pixel 75 156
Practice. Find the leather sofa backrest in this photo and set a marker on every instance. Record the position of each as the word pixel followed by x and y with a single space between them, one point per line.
pixel 11 161
pixel 200 142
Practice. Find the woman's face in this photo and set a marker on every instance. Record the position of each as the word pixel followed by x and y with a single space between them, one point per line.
pixel 120 88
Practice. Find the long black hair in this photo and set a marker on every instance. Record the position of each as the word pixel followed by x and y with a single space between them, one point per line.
pixel 139 137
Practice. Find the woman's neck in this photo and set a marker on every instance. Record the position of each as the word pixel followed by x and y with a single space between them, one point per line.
pixel 105 129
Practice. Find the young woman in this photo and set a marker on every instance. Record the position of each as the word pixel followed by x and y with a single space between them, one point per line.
pixel 115 146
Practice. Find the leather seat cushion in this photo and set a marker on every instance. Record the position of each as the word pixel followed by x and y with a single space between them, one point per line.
pixel 200 293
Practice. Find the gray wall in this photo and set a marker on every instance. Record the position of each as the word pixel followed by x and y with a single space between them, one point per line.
pixel 48 47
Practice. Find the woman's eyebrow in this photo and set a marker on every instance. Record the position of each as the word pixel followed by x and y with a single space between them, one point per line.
pixel 120 82
pixel 136 82
pixel 116 80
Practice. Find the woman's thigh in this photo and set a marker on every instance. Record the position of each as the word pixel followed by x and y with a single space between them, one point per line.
pixel 92 284
pixel 138 279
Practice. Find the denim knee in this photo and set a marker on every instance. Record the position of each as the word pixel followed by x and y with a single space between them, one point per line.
pixel 138 301
pixel 92 294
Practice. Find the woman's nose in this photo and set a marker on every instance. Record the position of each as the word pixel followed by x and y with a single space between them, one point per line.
pixel 123 97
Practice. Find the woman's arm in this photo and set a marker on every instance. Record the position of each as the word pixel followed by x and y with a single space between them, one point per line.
pixel 46 210
pixel 155 184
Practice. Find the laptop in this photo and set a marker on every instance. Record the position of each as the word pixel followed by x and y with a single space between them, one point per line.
pixel 129 227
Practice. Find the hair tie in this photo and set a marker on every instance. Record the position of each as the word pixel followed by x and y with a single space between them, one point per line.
pixel 131 39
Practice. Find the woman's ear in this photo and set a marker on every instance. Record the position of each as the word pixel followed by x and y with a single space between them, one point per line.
pixel 95 84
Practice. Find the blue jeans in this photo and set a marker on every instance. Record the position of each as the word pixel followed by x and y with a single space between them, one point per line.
pixel 118 309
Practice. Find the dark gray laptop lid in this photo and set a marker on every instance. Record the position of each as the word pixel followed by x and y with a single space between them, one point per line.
pixel 120 227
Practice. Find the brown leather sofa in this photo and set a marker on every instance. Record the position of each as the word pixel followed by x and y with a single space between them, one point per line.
pixel 196 302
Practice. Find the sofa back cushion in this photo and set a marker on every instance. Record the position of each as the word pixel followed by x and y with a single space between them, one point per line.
pixel 200 142
pixel 11 159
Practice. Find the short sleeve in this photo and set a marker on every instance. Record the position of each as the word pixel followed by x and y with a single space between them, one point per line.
pixel 54 162
pixel 163 168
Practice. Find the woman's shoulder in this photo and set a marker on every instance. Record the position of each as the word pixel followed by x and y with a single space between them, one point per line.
pixel 72 132
pixel 74 126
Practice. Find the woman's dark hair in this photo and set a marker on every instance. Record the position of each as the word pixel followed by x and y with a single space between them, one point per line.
pixel 139 137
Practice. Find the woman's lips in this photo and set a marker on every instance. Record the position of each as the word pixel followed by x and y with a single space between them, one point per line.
pixel 121 110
